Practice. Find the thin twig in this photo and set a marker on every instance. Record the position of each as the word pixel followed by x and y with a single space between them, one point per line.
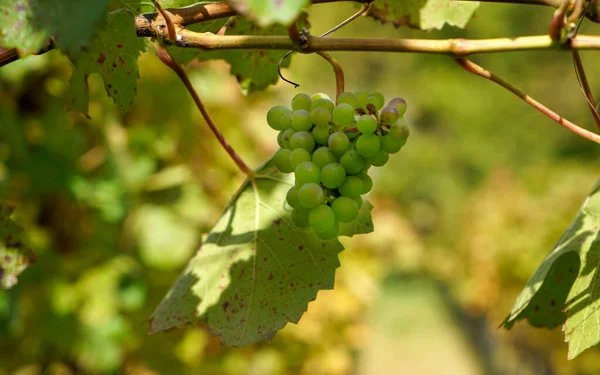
pixel 172 35
pixel 168 60
pixel 339 73
pixel 558 22
pixel 585 86
pixel 471 67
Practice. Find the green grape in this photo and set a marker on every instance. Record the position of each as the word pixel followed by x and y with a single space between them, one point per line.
pixel 362 98
pixel 274 116
pixel 344 208
pixel 333 175
pixel 292 197
pixel 393 141
pixel 367 145
pixel 401 122
pixel 352 162
pixel 367 182
pixel 399 104
pixel 338 143
pixel 358 200
pixel 366 167
pixel 321 218
pixel 298 156
pixel 320 116
pixel 301 120
pixel 366 124
pixel 348 98
pixel 379 159
pixel 300 217
pixel 301 101
pixel 303 140
pixel 377 99
pixel 282 160
pixel 310 195
pixel 286 120
pixel 389 115
pixel 343 114
pixel 322 103
pixel 330 234
pixel 283 138
pixel 352 187
pixel 306 172
pixel 321 134
pixel 320 95
pixel 323 156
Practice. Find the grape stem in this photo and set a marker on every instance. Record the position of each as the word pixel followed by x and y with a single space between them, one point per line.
pixel 338 71
pixel 471 67
pixel 168 60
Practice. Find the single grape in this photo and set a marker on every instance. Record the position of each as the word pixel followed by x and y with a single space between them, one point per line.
pixel 330 234
pixel 367 145
pixel 333 175
pixel 306 172
pixel 362 98
pixel 379 159
pixel 358 200
pixel 343 114
pixel 322 103
pixel 366 124
pixel 377 99
pixel 352 162
pixel 274 117
pixel 310 195
pixel 321 218
pixel 301 120
pixel 321 134
pixel 389 115
pixel 399 104
pixel 344 208
pixel 352 187
pixel 367 182
pixel 348 98
pixel 286 120
pixel 320 116
pixel 298 156
pixel 303 140
pixel 393 141
pixel 338 143
pixel 301 101
pixel 281 159
pixel 283 138
pixel 300 217
pixel 292 197
pixel 323 156
pixel 401 122
pixel 320 95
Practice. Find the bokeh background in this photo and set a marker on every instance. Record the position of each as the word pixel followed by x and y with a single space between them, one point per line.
pixel 115 205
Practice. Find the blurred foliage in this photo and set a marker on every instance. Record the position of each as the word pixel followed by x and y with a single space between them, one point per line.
pixel 114 205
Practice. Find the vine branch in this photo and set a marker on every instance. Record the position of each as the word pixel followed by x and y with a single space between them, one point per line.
pixel 471 67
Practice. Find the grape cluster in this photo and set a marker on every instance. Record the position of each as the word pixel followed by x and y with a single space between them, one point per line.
pixel 330 149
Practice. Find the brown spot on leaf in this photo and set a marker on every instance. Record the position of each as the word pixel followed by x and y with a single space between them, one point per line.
pixel 225 306
pixel 101 59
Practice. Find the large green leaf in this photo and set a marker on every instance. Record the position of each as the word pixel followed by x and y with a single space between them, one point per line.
pixel 267 12
pixel 255 70
pixel 112 53
pixel 28 24
pixel 255 271
pixel 15 257
pixel 564 289
pixel 423 14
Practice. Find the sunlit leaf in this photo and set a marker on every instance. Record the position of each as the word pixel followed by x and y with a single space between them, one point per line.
pixel 255 271
pixel 267 12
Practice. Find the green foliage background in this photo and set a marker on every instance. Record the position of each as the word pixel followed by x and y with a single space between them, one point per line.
pixel 114 206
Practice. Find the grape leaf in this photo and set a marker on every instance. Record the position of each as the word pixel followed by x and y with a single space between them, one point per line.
pixel 564 288
pixel 112 53
pixel 255 271
pixel 14 256
pixel 268 12
pixel 28 24
pixel 255 70
pixel 423 14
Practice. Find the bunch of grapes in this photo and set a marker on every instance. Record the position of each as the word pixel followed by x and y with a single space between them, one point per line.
pixel 330 149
